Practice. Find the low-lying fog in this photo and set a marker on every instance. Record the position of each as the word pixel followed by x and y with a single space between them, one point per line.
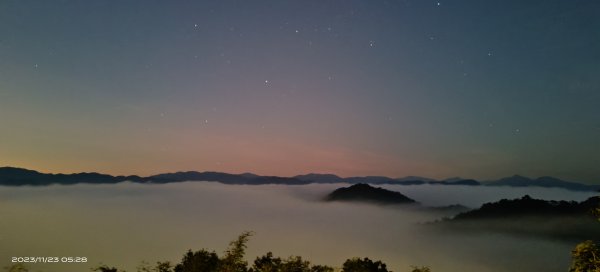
pixel 122 225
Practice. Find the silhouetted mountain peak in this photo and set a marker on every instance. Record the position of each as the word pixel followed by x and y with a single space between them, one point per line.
pixel 367 193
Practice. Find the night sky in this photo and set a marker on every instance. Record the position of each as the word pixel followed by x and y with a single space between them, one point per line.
pixel 477 89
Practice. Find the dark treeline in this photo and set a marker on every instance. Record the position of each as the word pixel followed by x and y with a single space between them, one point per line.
pixel 233 261
pixel 585 258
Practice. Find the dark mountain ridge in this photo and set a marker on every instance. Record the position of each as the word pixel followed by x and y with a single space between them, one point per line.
pixel 526 206
pixel 20 176
pixel 563 220
pixel 12 176
pixel 367 193
pixel 548 182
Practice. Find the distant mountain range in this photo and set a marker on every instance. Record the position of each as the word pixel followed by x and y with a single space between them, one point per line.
pixel 11 176
pixel 17 176
pixel 520 181
pixel 409 180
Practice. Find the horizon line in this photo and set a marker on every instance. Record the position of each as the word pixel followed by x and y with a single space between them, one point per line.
pixel 293 176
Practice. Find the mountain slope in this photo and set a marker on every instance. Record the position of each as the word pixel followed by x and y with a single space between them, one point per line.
pixel 573 221
pixel 20 176
pixel 365 193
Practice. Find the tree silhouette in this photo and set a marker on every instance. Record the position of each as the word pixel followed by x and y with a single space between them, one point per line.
pixel 364 265
pixel 233 261
pixel 321 268
pixel 205 261
pixel 266 263
pixel 199 261
pixel 586 258
pixel 586 255
pixel 159 267
pixel 163 267
pixel 295 264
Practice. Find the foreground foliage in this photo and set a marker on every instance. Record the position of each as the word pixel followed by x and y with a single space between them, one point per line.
pixel 233 261
pixel 586 255
pixel 586 258
pixel 359 265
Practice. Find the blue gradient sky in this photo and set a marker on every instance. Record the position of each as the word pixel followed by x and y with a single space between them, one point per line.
pixel 478 89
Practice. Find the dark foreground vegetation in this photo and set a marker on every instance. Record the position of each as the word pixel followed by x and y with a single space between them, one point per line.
pixel 585 258
pixel 232 260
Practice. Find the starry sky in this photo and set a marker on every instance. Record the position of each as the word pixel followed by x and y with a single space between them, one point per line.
pixel 477 89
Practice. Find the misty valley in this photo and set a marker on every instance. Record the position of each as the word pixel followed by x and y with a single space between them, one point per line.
pixel 441 227
pixel 300 136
